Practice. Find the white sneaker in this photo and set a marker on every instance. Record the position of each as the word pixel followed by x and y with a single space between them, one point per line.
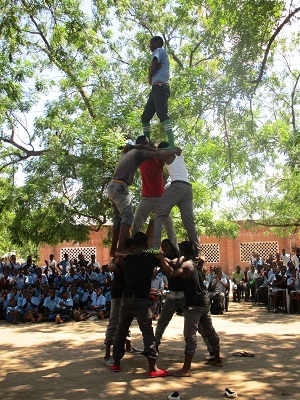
pixel 174 396
pixel 109 361
pixel 230 394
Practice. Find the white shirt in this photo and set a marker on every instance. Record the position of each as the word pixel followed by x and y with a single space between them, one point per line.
pixel 177 170
pixel 295 260
pixel 285 258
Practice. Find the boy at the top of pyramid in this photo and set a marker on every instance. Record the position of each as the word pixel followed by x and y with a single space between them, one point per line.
pixel 159 73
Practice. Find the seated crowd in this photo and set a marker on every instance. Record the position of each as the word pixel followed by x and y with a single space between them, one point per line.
pixel 57 292
pixel 277 277
pixel 79 290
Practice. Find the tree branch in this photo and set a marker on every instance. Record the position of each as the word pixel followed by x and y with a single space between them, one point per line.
pixel 270 42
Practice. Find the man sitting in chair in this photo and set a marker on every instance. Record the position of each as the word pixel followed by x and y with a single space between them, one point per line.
pixel 237 279
pixel 157 288
pixel 218 288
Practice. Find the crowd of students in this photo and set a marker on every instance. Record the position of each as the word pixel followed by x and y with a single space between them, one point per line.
pixel 57 292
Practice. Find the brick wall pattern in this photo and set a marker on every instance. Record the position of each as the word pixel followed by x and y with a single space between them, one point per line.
pixel 261 248
pixel 73 252
pixel 211 251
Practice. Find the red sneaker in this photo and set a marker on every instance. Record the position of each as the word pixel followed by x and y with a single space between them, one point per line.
pixel 115 368
pixel 158 374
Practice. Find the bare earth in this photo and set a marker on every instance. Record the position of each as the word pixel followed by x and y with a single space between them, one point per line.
pixel 65 362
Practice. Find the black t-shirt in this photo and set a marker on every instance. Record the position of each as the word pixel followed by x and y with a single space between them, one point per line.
pixel 138 270
pixel 195 291
pixel 175 284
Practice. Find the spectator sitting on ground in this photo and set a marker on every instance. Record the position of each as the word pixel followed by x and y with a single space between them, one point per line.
pixel 75 297
pixel 64 308
pixel 20 279
pixel 40 276
pixel 13 312
pixel 4 303
pixel 71 276
pixel 30 307
pixel 102 276
pixel 92 275
pixel 98 303
pixel 13 293
pixel 82 274
pixel 50 306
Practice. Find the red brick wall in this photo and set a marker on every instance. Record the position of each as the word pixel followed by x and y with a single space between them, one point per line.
pixel 96 240
pixel 229 248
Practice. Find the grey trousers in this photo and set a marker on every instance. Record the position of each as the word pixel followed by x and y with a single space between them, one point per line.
pixel 143 211
pixel 174 301
pixel 181 195
pixel 196 319
pixel 141 309
pixel 113 321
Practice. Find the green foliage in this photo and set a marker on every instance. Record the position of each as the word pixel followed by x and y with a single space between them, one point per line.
pixel 85 65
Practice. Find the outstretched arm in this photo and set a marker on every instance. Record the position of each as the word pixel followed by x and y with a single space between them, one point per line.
pixel 163 154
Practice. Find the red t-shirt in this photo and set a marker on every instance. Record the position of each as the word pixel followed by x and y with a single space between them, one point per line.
pixel 152 177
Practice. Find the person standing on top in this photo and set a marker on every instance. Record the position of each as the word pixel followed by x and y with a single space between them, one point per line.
pixel 159 73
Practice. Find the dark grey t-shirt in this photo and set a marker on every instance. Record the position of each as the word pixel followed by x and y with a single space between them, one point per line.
pixel 128 165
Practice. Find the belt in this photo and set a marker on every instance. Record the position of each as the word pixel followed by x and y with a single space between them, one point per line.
pixel 161 83
pixel 117 181
pixel 184 182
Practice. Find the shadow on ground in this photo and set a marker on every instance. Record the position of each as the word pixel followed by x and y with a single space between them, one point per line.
pixel 65 362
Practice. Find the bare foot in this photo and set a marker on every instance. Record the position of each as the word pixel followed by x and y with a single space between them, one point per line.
pixel 216 363
pixel 181 373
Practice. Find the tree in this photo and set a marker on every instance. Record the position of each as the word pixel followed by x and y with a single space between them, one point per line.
pixel 89 70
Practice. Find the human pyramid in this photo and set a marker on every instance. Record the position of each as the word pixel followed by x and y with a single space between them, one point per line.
pixel 133 262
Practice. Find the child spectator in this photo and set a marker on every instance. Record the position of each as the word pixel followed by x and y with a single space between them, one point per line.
pixel 13 312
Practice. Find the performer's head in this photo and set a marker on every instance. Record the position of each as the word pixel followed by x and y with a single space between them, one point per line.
pixel 156 42
pixel 188 249
pixel 140 240
pixel 142 140
pixel 163 145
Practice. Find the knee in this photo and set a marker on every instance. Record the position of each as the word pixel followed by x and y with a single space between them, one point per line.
pixel 127 218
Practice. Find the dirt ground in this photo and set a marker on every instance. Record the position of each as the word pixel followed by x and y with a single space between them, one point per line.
pixel 65 362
